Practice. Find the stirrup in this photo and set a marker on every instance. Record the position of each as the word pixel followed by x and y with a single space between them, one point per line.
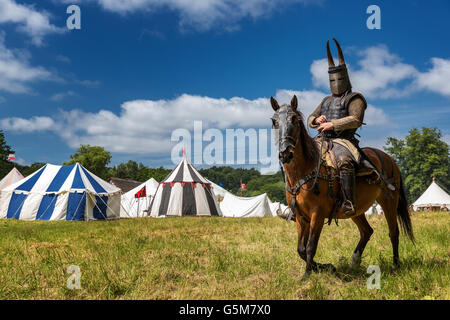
pixel 351 212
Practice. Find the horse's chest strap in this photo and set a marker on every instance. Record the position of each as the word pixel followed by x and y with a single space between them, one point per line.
pixel 294 191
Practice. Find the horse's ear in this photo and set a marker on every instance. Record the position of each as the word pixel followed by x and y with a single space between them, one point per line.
pixel 274 104
pixel 294 102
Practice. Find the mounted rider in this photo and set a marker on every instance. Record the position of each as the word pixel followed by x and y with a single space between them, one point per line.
pixel 338 117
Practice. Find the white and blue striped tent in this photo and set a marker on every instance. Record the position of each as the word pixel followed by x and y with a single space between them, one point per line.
pixel 60 193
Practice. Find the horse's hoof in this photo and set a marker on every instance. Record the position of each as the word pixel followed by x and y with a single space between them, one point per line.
pixel 306 276
pixel 326 267
pixel 395 266
pixel 356 261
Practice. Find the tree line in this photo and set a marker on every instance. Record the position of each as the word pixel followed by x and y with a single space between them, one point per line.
pixel 421 156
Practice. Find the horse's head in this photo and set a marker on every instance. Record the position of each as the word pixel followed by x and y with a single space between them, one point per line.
pixel 286 121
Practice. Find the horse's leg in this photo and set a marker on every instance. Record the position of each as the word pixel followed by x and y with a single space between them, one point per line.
pixel 315 228
pixel 303 233
pixel 365 231
pixel 389 206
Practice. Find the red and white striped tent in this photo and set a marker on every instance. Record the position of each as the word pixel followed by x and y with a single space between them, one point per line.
pixel 12 177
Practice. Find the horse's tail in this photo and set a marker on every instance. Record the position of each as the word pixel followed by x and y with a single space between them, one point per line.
pixel 403 213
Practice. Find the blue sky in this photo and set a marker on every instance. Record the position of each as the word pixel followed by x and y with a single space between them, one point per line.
pixel 138 70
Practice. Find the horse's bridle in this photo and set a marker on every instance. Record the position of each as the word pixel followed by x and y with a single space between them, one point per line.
pixel 287 140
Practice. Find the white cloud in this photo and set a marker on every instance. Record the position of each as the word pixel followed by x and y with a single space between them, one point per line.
pixel 30 21
pixel 382 74
pixel 27 125
pixel 21 161
pixel 62 58
pixel 437 79
pixel 446 138
pixel 375 116
pixel 61 95
pixel 380 71
pixel 308 100
pixel 145 126
pixel 16 72
pixel 89 83
pixel 379 75
pixel 202 15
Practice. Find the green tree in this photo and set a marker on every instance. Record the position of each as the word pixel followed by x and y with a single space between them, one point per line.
pixel 27 170
pixel 5 150
pixel 129 170
pixel 421 156
pixel 138 172
pixel 255 183
pixel 93 158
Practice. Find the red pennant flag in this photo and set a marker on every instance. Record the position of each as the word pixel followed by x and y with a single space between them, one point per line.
pixel 141 193
pixel 243 186
pixel 11 157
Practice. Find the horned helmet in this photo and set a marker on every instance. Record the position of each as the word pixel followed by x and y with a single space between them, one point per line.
pixel 339 80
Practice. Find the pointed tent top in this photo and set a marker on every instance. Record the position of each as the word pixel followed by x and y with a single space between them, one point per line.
pixel 58 179
pixel 185 172
pixel 12 177
pixel 434 196
pixel 151 185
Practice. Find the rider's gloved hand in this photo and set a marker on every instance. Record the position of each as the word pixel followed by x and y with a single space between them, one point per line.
pixel 320 120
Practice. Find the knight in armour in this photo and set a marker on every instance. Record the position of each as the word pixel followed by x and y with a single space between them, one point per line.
pixel 337 118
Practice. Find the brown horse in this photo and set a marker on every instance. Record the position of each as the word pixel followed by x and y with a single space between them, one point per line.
pixel 299 154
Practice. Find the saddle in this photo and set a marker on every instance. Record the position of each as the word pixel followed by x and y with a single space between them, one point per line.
pixel 363 168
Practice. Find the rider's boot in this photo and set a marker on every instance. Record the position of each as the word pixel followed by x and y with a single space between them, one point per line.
pixel 347 177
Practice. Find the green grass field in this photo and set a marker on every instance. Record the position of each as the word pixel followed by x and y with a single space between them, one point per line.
pixel 215 258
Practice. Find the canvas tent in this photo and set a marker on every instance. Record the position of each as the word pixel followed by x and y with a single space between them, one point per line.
pixel 12 177
pixel 278 209
pixel 60 193
pixel 124 184
pixel 184 193
pixel 133 207
pixel 375 208
pixel 244 207
pixel 434 197
pixel 218 191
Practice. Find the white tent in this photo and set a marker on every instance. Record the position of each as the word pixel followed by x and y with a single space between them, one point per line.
pixel 245 207
pixel 184 193
pixel 60 193
pixel 434 196
pixel 277 208
pixel 375 208
pixel 12 177
pixel 132 207
pixel 218 191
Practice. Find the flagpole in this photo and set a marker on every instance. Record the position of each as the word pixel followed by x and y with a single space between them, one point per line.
pixel 137 212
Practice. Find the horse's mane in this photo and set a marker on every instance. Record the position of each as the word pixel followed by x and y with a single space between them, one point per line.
pixel 309 146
